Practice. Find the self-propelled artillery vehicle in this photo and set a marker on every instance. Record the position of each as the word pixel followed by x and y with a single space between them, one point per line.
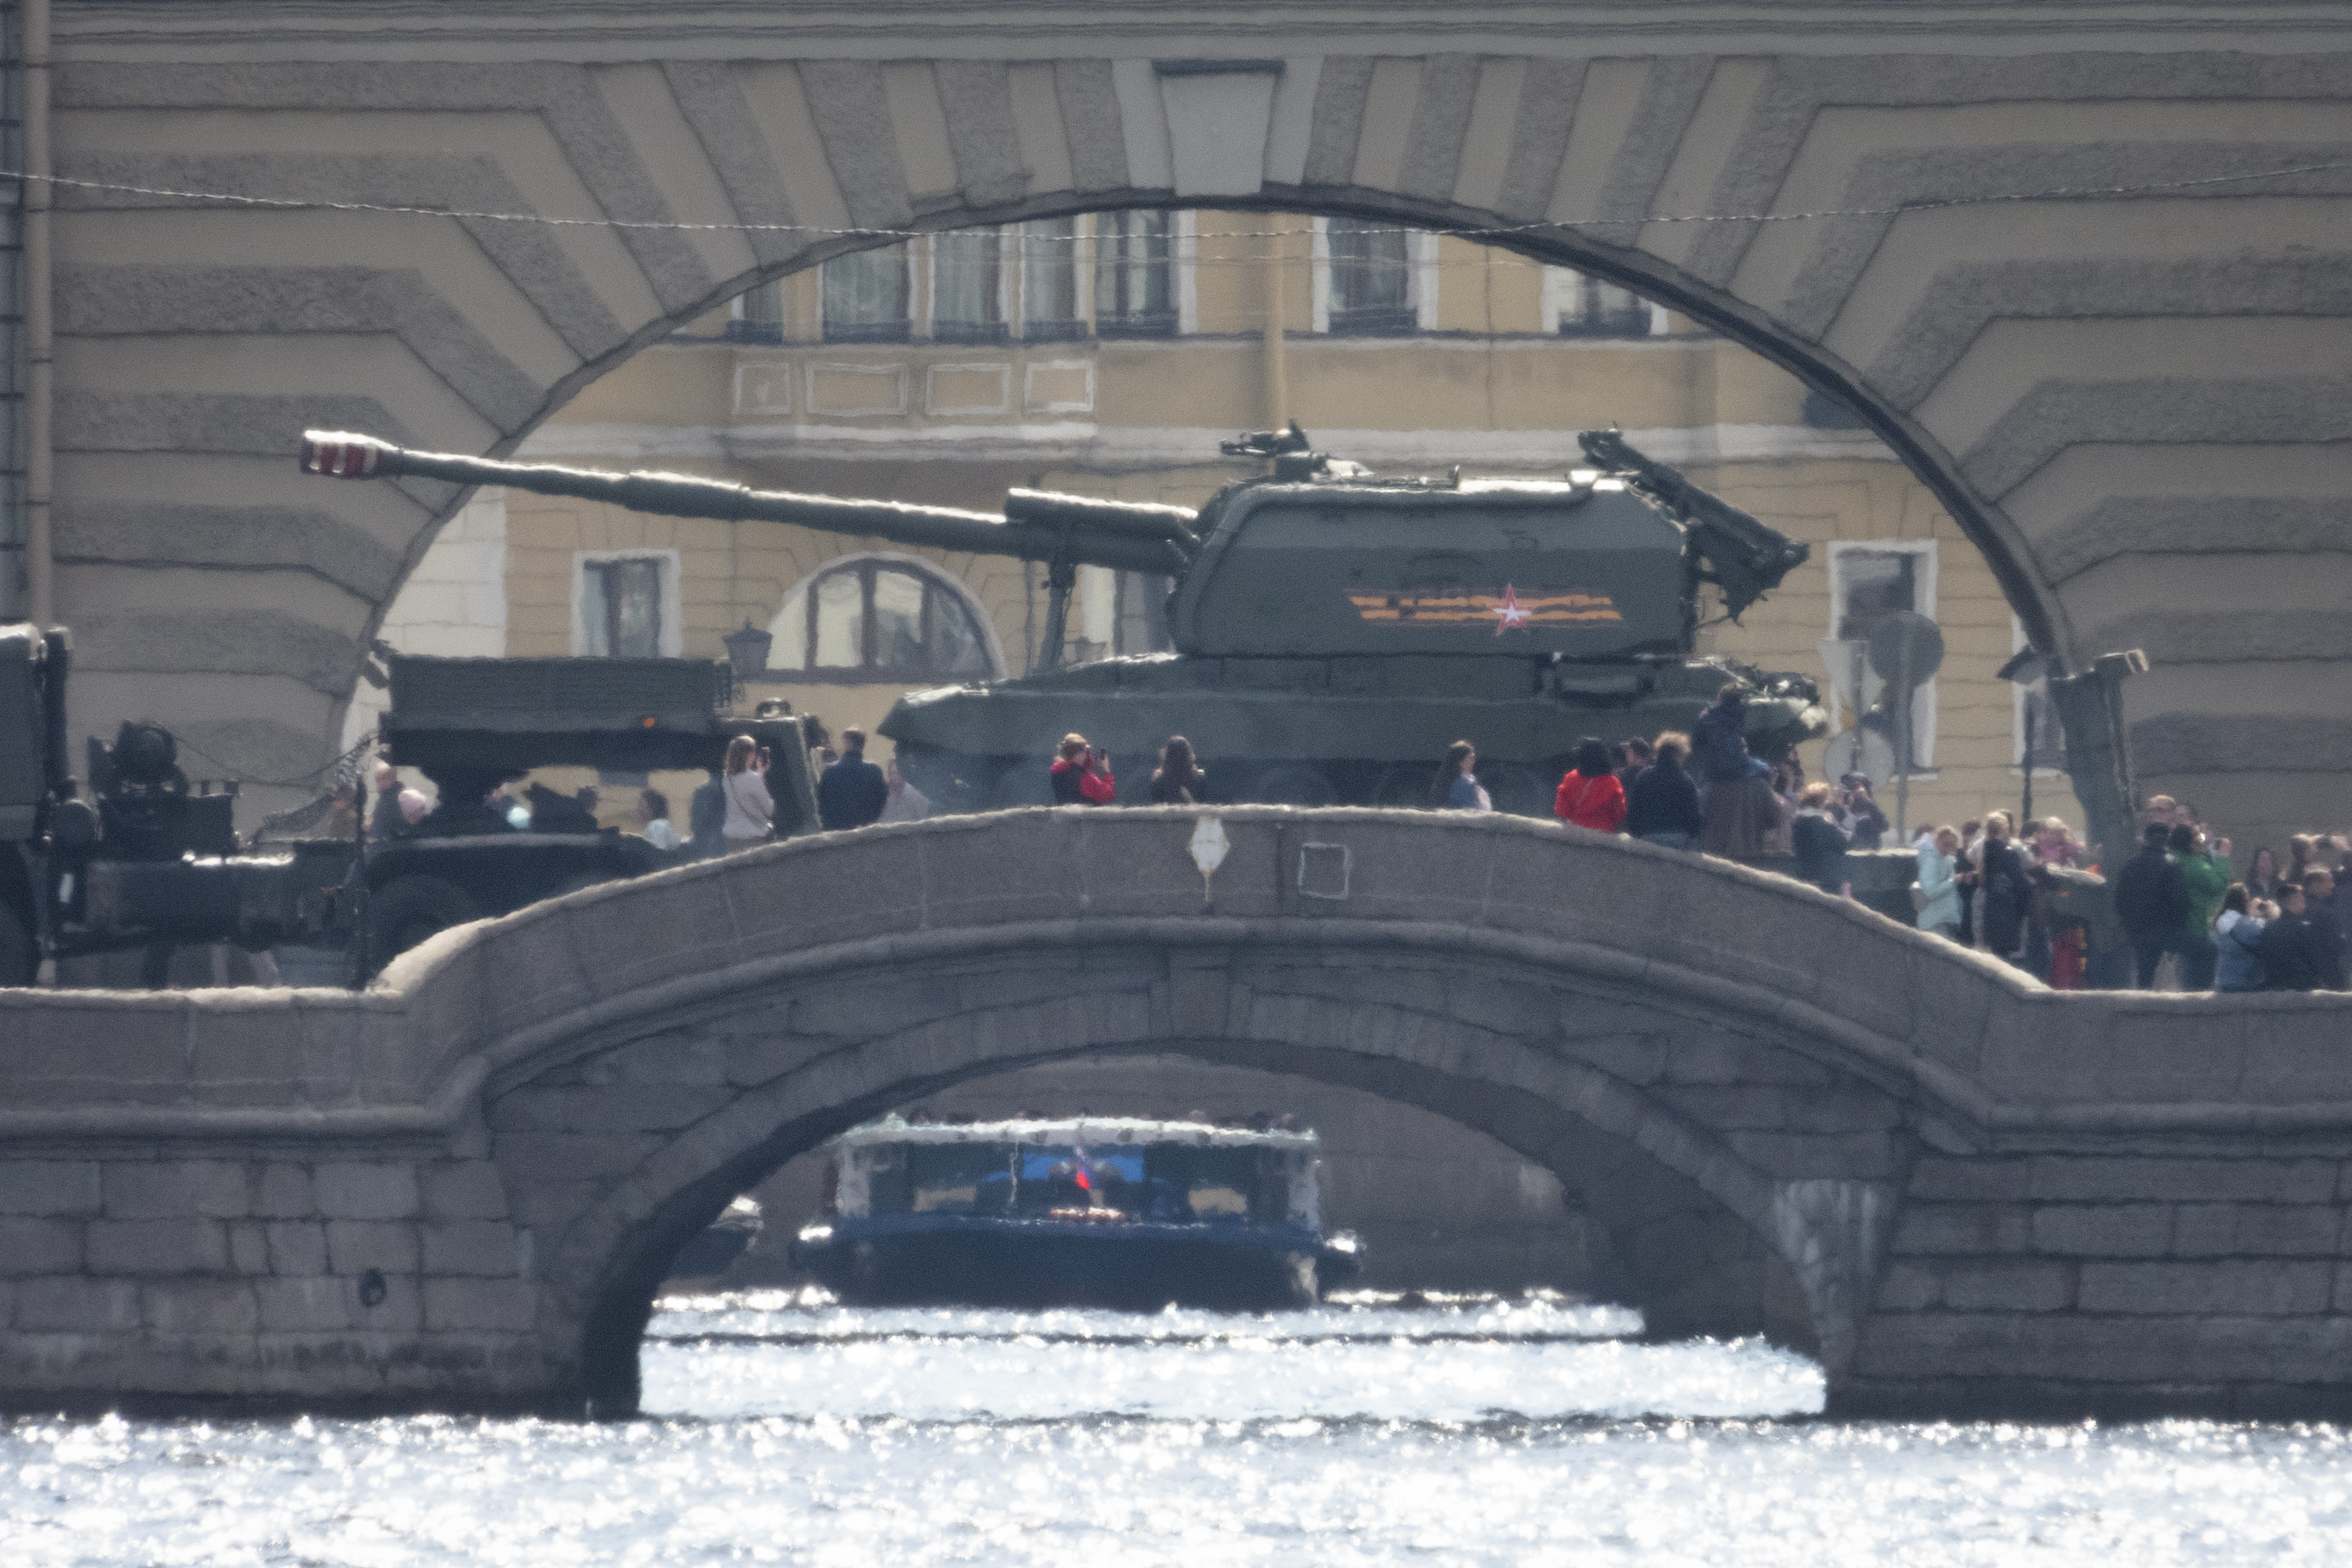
pixel 1334 630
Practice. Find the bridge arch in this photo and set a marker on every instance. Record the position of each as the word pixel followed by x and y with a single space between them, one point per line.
pixel 1672 1036
pixel 2126 391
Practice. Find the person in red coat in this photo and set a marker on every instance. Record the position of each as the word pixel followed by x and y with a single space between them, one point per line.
pixel 1081 774
pixel 1590 796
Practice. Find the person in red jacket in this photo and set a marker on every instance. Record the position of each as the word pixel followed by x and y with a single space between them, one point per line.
pixel 1590 796
pixel 1081 774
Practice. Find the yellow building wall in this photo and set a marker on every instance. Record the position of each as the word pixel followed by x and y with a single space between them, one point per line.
pixel 1825 502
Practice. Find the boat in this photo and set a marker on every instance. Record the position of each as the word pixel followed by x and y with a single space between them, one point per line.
pixel 1119 1212
pixel 710 1252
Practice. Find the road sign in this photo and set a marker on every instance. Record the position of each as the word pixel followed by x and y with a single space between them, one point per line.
pixel 1905 645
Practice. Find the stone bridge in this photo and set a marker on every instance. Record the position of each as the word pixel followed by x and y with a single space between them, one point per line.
pixel 2129 390
pixel 1963 1193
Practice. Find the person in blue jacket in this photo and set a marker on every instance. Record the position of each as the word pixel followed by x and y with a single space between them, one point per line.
pixel 2237 936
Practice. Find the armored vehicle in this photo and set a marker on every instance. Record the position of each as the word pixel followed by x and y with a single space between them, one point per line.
pixel 1334 630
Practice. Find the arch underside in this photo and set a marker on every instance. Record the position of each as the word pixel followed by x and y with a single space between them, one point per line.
pixel 1652 1113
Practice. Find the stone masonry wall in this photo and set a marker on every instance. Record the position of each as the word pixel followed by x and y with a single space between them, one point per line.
pixel 2127 1283
pixel 311 1283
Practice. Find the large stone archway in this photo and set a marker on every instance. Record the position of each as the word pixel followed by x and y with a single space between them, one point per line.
pixel 2127 391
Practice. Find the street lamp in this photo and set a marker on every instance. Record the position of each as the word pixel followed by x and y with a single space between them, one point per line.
pixel 747 650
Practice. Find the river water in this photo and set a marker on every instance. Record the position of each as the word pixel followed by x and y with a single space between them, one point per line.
pixel 1468 1430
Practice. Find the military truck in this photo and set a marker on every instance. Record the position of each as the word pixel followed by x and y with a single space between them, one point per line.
pixel 146 859
pixel 149 861
pixel 1335 630
pixel 472 724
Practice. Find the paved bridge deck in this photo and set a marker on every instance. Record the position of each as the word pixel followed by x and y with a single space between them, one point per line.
pixel 1960 1190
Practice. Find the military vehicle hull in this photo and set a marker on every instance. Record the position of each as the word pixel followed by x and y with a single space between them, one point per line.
pixel 1305 731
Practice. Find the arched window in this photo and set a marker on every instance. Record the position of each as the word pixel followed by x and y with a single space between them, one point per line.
pixel 880 620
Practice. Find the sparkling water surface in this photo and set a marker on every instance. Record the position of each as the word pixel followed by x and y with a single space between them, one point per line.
pixel 1470 1429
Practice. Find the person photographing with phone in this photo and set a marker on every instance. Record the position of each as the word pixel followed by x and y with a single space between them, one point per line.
pixel 1081 774
pixel 750 810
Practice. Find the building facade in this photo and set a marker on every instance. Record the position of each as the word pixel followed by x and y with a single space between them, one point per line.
pixel 1108 354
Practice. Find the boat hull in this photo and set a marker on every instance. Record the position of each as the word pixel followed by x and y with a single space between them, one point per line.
pixel 1138 1267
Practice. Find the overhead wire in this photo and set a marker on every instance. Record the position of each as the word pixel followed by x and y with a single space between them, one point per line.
pixel 307 204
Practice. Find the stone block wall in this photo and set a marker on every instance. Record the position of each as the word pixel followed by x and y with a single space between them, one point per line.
pixel 298 1281
pixel 2122 1282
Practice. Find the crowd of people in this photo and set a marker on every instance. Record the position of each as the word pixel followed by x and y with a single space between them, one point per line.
pixel 1985 884
pixel 2279 929
pixel 2190 924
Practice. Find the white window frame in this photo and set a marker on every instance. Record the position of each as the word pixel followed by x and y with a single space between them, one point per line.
pixel 1421 269
pixel 1016 264
pixel 1923 713
pixel 1556 285
pixel 673 632
pixel 923 324
pixel 738 311
pixel 932 570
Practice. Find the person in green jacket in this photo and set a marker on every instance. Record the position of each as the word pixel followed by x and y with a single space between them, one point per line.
pixel 2208 877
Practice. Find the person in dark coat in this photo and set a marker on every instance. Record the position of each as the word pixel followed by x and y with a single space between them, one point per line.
pixel 2151 902
pixel 2005 891
pixel 1178 780
pixel 1818 846
pixel 851 792
pixel 2292 953
pixel 1663 806
pixel 386 821
pixel 2322 902
pixel 1868 824
pixel 706 817
pixel 1639 757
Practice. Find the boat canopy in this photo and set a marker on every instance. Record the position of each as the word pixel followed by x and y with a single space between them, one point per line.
pixel 1091 1132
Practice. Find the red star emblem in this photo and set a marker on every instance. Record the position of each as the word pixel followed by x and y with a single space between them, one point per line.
pixel 1508 616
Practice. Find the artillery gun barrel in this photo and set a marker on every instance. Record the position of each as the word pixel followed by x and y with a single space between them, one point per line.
pixel 1074 533
pixel 1137 520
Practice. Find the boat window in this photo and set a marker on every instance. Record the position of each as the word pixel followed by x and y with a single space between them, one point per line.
pixel 959 1179
pixel 1209 1183
pixel 1063 1176
pixel 886 1179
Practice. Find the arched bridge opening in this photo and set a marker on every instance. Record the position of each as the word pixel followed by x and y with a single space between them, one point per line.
pixel 1692 1263
pixel 1740 1147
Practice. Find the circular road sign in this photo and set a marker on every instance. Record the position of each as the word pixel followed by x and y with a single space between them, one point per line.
pixel 1906 643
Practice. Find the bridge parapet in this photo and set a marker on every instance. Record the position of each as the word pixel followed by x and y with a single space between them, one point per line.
pixel 1973 1035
